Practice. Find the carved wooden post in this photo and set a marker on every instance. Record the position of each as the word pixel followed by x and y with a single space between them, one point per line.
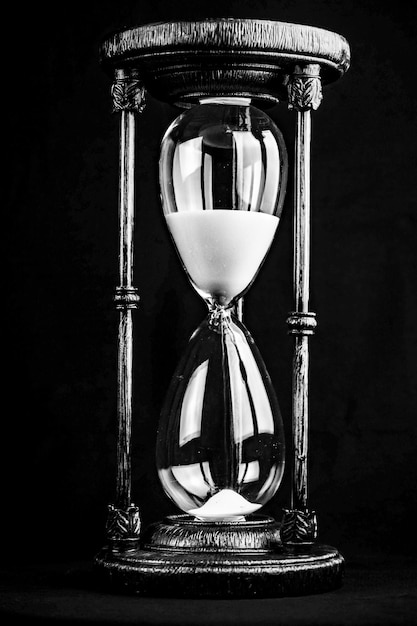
pixel 123 524
pixel 299 525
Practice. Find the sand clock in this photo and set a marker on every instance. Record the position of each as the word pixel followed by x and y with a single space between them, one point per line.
pixel 220 450
pixel 220 447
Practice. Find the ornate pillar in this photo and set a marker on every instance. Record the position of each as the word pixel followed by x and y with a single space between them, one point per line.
pixel 123 523
pixel 299 525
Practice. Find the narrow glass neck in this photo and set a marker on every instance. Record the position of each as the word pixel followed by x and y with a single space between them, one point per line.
pixel 217 309
pixel 220 316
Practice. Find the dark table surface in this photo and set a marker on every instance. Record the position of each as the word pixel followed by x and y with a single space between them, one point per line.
pixel 376 590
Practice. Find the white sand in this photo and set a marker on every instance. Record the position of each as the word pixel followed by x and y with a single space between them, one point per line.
pixel 221 249
pixel 225 505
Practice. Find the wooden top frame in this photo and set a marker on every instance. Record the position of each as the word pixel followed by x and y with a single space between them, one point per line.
pixel 180 62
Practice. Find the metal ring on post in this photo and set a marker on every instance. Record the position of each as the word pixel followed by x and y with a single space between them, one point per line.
pixel 126 298
pixel 301 323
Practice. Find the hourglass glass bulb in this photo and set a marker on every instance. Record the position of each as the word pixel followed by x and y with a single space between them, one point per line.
pixel 223 171
pixel 220 445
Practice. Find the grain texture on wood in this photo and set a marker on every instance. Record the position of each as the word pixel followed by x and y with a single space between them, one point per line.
pixel 231 34
pixel 180 62
pixel 190 574
pixel 257 533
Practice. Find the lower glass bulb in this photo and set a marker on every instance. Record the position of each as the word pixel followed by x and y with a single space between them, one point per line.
pixel 220 447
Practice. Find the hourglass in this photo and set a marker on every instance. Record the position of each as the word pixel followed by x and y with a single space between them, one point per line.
pixel 220 450
pixel 220 447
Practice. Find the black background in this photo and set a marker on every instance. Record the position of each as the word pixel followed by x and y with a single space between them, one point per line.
pixel 61 236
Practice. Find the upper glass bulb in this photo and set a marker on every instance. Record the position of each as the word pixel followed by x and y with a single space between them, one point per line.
pixel 223 172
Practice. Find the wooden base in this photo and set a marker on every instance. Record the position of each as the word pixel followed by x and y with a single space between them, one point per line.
pixel 228 572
